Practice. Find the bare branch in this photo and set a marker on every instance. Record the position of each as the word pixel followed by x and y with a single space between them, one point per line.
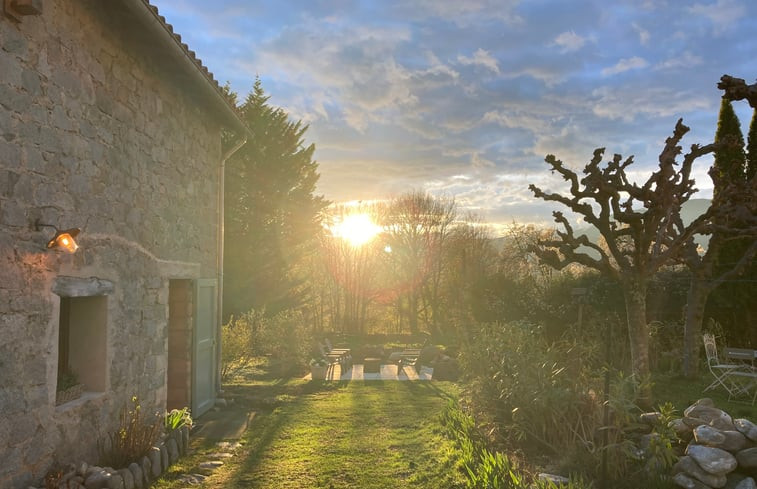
pixel 737 89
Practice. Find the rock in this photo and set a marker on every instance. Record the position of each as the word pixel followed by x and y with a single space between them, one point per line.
pixel 747 458
pixel 683 431
pixel 735 441
pixel 211 464
pixel 737 480
pixel 164 463
pixel 115 481
pixel 651 419
pixel 136 472
pixel 127 477
pixel 713 460
pixel 746 483
pixel 97 479
pixel 746 428
pixel 173 450
pixel 220 455
pixel 713 416
pixel 646 440
pixel 146 470
pixel 687 482
pixel 708 436
pixel 688 466
pixel 557 480
pixel 693 422
pixel 184 445
pixel 156 468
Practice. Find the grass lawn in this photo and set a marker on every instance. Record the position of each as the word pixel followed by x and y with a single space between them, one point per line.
pixel 683 392
pixel 337 435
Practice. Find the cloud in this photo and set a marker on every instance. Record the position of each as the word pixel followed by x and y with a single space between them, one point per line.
pixel 723 13
pixel 629 103
pixel 480 58
pixel 569 41
pixel 685 60
pixel 625 64
pixel 644 34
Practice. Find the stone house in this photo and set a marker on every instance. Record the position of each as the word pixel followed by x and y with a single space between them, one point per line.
pixel 108 123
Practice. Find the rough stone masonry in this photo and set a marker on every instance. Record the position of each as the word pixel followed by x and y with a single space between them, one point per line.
pixel 96 132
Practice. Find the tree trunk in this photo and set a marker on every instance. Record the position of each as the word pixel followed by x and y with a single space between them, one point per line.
pixel 696 300
pixel 635 293
pixel 412 306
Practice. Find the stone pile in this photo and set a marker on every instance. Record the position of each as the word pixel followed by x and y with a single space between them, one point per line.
pixel 138 475
pixel 721 451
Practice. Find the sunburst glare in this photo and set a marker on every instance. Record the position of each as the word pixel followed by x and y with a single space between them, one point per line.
pixel 356 229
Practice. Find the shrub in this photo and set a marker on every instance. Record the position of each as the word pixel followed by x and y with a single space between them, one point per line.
pixel 548 397
pixel 284 337
pixel 135 435
pixel 236 337
pixel 485 469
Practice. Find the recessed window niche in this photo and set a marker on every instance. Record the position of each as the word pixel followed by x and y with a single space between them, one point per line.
pixel 82 332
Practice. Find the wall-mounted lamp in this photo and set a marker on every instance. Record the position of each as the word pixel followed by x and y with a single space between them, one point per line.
pixel 63 239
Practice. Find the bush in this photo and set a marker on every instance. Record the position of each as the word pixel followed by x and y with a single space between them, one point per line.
pixel 285 337
pixel 483 468
pixel 548 397
pixel 237 346
pixel 135 435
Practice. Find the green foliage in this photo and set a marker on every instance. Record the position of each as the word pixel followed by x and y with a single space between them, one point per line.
pixel 485 469
pixel 177 418
pixel 272 216
pixel 548 397
pixel 536 391
pixel 751 147
pixel 284 336
pixel 136 433
pixel 237 340
pixel 730 159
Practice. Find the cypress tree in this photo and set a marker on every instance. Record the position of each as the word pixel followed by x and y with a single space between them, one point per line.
pixel 751 147
pixel 730 159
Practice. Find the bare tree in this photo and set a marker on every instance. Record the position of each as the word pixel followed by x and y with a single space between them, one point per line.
pixel 417 228
pixel 641 226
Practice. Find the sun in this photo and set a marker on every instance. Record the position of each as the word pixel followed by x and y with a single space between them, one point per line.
pixel 356 229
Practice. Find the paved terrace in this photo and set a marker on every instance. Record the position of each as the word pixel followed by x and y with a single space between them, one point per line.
pixel 388 372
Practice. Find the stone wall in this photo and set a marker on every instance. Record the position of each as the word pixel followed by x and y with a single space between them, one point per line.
pixel 93 134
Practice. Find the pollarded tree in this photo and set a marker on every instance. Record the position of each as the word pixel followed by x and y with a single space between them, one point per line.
pixel 641 227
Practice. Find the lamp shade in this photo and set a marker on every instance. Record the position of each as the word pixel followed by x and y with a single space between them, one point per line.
pixel 65 240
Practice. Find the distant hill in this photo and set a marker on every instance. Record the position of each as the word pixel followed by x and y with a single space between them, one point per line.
pixel 690 211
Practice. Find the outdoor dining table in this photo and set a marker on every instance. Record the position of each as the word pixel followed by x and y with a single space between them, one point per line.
pixel 746 372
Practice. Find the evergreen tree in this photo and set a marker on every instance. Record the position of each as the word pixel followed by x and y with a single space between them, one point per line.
pixel 751 148
pixel 718 287
pixel 272 215
pixel 730 159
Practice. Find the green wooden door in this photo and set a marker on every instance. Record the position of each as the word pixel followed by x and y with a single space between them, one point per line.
pixel 204 342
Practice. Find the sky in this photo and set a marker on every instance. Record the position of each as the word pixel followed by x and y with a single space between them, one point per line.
pixel 465 98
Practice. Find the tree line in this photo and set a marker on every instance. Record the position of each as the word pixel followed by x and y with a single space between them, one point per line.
pixel 434 268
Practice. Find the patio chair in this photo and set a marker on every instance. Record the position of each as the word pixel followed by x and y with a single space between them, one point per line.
pixel 330 348
pixel 724 373
pixel 342 358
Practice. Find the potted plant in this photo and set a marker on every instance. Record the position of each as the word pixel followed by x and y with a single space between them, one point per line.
pixel 318 367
